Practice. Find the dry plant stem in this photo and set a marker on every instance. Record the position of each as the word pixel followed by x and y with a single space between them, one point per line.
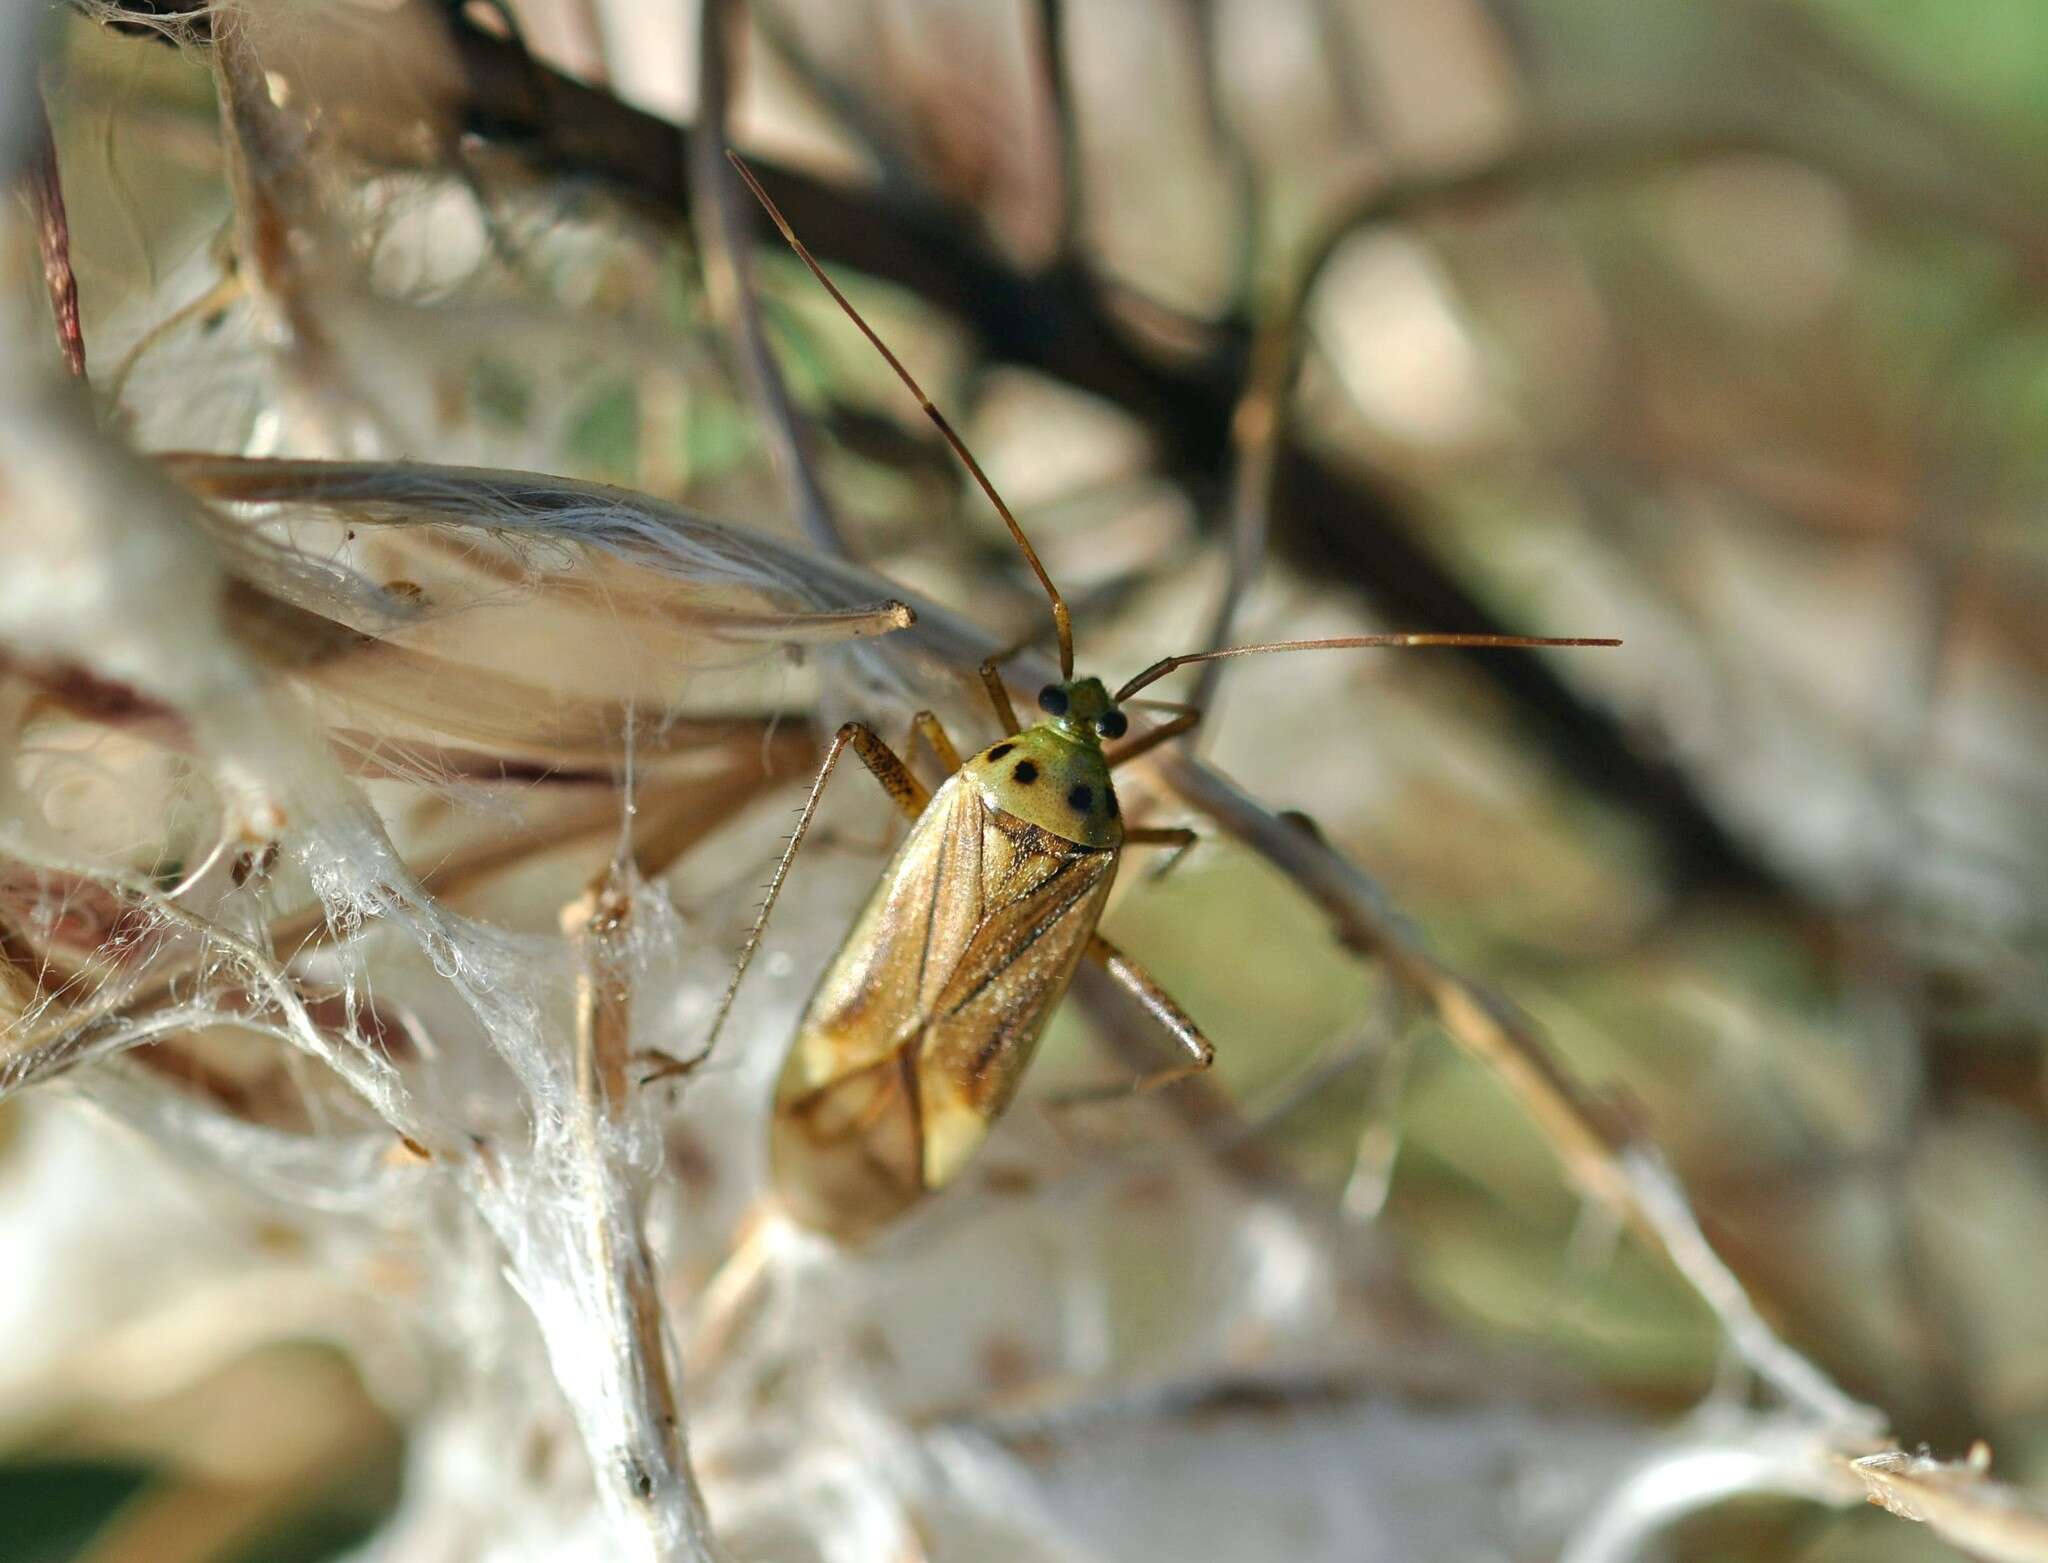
pixel 1598 1155
pixel 1052 54
pixel 53 239
pixel 284 249
pixel 721 220
pixel 598 926
pixel 1255 429
pixel 1960 1502
pixel 266 165
pixel 1726 1454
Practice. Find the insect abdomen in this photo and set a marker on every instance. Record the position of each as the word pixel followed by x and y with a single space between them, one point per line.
pixel 848 1158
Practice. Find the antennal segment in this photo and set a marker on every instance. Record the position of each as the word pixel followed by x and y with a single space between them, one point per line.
pixel 1062 622
pixel 1166 665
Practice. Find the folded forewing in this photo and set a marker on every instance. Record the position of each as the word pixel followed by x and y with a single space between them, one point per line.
pixel 1041 908
pixel 969 939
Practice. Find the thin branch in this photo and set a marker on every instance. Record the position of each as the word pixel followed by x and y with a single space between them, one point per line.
pixel 598 926
pixel 1601 1157
pixel 722 220
pixel 1240 167
pixel 1255 437
pixel 1059 97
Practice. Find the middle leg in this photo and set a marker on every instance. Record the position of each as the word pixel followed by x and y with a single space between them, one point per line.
pixel 1179 837
pixel 1159 1004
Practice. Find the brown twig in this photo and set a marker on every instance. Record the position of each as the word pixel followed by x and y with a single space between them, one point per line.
pixel 1602 1158
pixel 1059 97
pixel 282 239
pixel 598 925
pixel 721 220
pixel 1256 430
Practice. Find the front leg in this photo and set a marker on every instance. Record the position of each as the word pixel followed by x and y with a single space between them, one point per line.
pixel 927 725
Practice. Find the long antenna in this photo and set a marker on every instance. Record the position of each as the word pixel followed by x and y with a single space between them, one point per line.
pixel 1062 623
pixel 1166 665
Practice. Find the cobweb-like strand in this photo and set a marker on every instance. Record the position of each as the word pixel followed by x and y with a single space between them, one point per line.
pixel 105 606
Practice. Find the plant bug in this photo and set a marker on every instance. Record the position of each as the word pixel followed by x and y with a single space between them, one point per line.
pixel 919 1031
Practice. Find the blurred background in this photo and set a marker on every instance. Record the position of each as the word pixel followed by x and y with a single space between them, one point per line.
pixel 1715 328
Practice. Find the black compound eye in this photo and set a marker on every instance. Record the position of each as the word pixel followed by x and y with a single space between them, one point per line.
pixel 1052 700
pixel 1112 724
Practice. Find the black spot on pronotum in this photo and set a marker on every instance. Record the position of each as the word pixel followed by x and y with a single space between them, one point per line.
pixel 1052 700
pixel 1081 797
pixel 1000 750
pixel 1025 772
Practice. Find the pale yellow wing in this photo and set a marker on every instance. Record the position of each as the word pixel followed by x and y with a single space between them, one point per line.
pixel 1043 897
pixel 919 1030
